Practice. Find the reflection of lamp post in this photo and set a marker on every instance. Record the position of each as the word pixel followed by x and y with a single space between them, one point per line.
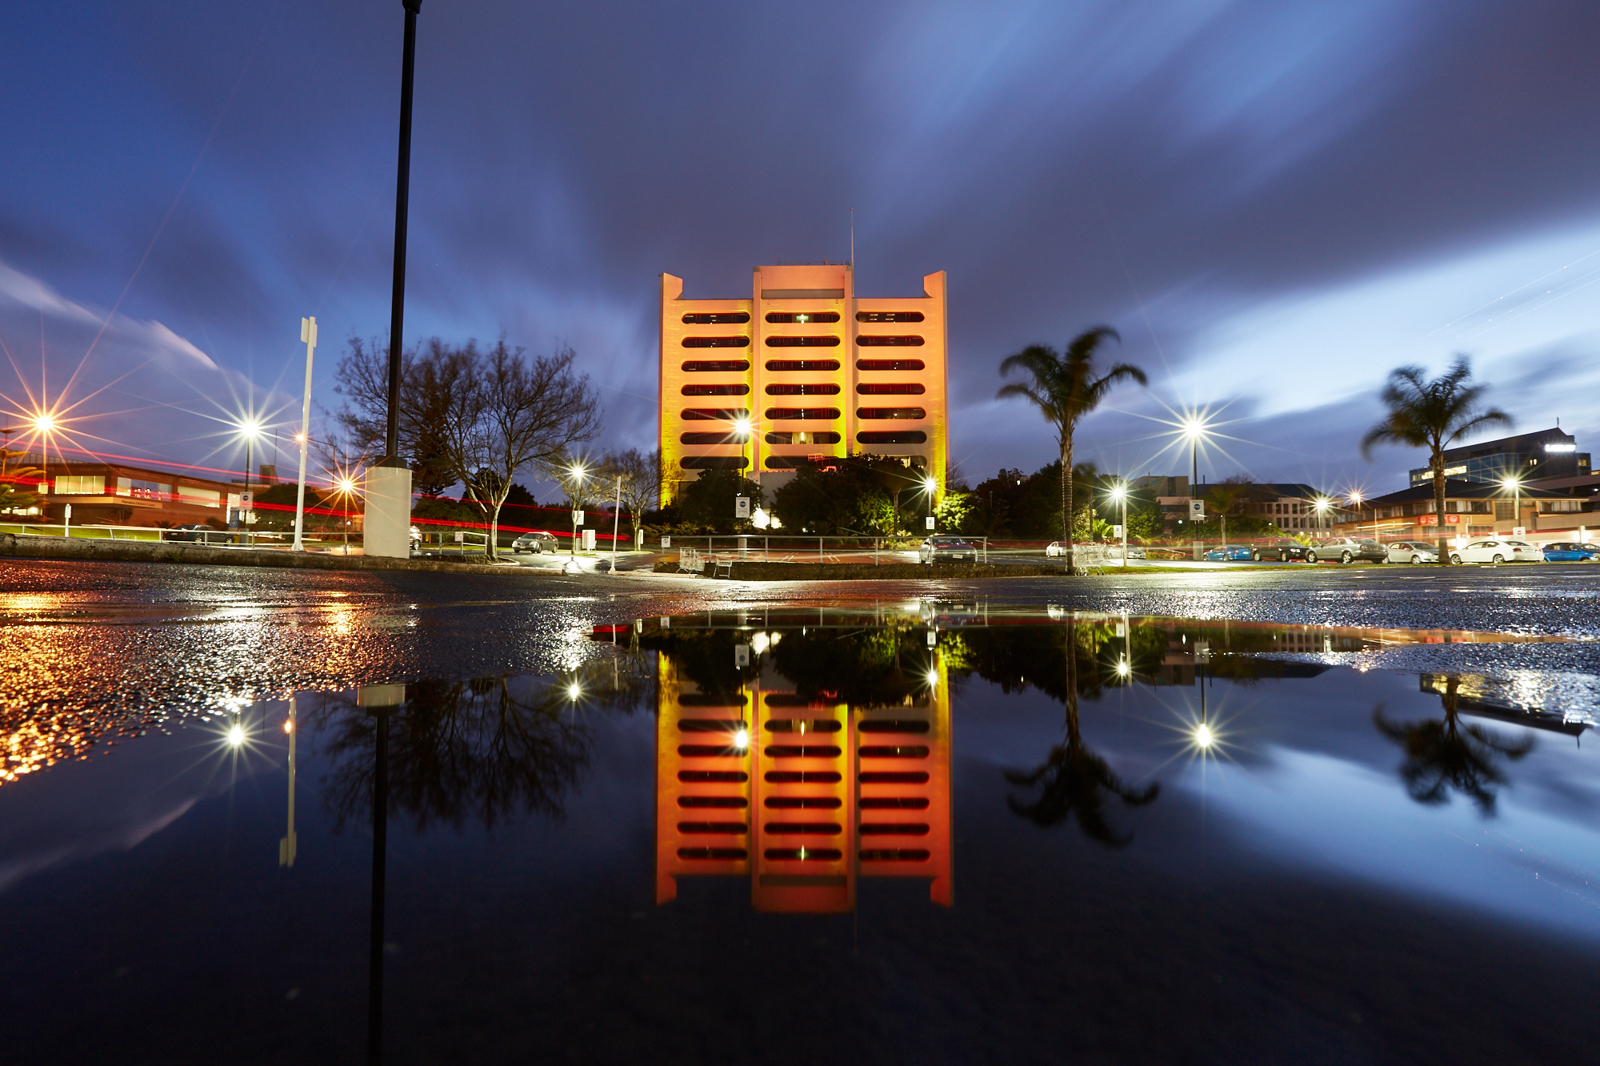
pixel 1119 494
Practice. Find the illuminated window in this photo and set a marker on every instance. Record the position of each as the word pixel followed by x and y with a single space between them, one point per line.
pixel 715 390
pixel 904 436
pixel 716 318
pixel 887 364
pixel 890 342
pixel 802 364
pixel 803 437
pixel 714 462
pixel 802 342
pixel 888 316
pixel 80 485
pixel 890 412
pixel 143 490
pixel 715 414
pixel 803 390
pixel 716 342
pixel 703 366
pixel 891 388
pixel 802 316
pixel 789 414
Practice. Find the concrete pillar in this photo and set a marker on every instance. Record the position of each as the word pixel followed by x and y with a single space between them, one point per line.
pixel 387 525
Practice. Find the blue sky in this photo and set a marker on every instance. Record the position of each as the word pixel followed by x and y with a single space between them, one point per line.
pixel 1275 203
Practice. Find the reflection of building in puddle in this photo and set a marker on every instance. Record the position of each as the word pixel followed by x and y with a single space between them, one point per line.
pixel 803 796
pixel 1487 697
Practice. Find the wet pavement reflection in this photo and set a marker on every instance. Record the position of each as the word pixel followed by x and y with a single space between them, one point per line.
pixel 707 818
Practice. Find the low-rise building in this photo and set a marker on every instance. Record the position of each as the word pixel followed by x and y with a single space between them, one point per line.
pixel 112 493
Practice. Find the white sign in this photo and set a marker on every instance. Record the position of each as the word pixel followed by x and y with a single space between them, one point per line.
pixel 246 500
pixel 1116 532
pixel 741 655
pixel 1202 651
pixel 741 507
pixel 588 540
pixel 929 521
pixel 1197 510
pixel 577 518
pixel 461 538
pixel 1519 531
pixel 666 542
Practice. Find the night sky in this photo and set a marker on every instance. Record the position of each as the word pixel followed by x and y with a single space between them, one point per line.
pixel 1275 203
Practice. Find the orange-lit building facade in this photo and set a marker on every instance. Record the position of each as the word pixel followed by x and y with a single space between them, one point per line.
pixel 803 797
pixel 801 370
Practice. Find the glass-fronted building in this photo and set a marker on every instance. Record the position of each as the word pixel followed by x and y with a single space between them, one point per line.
pixel 1546 454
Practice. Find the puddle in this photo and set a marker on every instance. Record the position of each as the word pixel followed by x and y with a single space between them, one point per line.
pixel 957 831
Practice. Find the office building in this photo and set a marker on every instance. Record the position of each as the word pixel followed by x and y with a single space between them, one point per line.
pixel 1549 453
pixel 802 370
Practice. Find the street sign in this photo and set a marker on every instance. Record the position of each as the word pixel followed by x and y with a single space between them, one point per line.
pixel 577 518
pixel 1116 532
pixel 666 542
pixel 929 521
pixel 1519 531
pixel 247 501
pixel 741 507
pixel 461 538
pixel 1197 510
pixel 741 655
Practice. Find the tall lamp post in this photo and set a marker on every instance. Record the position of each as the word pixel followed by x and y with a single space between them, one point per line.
pixel 1119 494
pixel 249 429
pixel 308 335
pixel 577 474
pixel 1514 483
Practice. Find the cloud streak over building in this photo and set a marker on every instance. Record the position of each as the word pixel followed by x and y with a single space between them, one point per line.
pixel 1274 203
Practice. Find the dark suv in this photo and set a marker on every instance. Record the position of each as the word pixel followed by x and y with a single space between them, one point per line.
pixel 1282 550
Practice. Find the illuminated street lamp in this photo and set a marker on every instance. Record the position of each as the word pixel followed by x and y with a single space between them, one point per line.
pixel 1321 506
pixel 1119 494
pixel 250 430
pixel 930 487
pixel 577 474
pixel 1514 484
pixel 1194 428
pixel 347 488
pixel 1355 501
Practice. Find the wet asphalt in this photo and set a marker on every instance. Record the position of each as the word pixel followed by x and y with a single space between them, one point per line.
pixel 136 638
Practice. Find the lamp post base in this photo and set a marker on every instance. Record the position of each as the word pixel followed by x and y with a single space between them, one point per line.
pixel 386 528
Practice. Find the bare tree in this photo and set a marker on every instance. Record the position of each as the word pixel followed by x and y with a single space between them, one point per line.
pixel 480 416
pixel 641 482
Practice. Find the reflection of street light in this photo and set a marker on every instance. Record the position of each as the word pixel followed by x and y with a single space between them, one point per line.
pixel 1203 737
pixel 741 738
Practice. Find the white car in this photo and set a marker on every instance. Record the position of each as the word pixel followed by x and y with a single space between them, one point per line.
pixel 1055 550
pixel 1497 551
pixel 1411 551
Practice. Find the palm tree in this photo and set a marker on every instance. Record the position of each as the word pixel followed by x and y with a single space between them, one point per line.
pixel 1074 780
pixel 1064 388
pixel 1433 415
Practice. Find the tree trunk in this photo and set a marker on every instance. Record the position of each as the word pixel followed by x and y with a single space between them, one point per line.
pixel 1066 500
pixel 1438 504
pixel 494 528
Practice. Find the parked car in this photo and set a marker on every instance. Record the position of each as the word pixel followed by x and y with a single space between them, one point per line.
pixel 1411 551
pixel 193 531
pixel 1497 551
pixel 1571 552
pixel 1055 550
pixel 947 548
pixel 1347 550
pixel 1228 552
pixel 1282 550
pixel 535 541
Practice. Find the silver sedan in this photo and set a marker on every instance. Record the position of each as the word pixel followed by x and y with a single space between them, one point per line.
pixel 1412 551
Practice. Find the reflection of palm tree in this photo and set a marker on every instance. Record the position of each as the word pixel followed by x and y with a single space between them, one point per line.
pixel 1441 756
pixel 1074 780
